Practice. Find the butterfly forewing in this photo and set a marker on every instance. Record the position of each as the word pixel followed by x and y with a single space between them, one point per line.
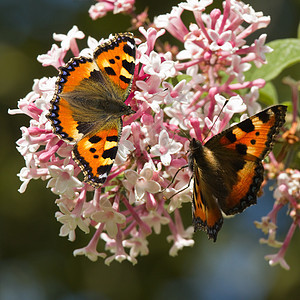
pixel 116 59
pixel 62 107
pixel 253 136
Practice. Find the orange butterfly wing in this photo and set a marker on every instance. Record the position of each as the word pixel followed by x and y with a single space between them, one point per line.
pixel 207 215
pixel 99 152
pixel 89 102
pixel 230 165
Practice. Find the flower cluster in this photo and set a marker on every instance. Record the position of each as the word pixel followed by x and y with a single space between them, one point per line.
pixel 287 192
pixel 173 91
pixel 102 7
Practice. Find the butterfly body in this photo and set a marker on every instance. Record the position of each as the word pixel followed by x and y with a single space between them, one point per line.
pixel 88 104
pixel 228 170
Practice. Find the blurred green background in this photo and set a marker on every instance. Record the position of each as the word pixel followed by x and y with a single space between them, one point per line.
pixel 37 264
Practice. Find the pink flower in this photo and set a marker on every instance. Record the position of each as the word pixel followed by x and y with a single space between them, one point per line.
pixel 123 6
pixel 180 237
pixel 101 8
pixel 54 57
pixel 150 92
pixel 172 23
pixel 220 41
pixel 151 36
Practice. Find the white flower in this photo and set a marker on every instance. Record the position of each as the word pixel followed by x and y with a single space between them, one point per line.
pixel 117 248
pixel 260 50
pixel 275 259
pixel 120 256
pixel 91 254
pixel 177 200
pixel 70 222
pixel 181 239
pixel 138 244
pixel 63 180
pixel 100 9
pixel 235 104
pixel 150 92
pixel 192 51
pixel 155 220
pixel 109 216
pixel 67 40
pixel 175 93
pixel 237 68
pixel 138 184
pixel 195 5
pixel 27 144
pixel 125 146
pixel 165 148
pixel 155 66
pixel 288 185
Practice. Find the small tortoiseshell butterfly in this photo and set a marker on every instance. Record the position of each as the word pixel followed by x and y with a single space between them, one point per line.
pixel 228 170
pixel 88 104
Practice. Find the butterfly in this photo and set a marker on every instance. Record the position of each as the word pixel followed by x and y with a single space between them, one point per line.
pixel 228 170
pixel 88 104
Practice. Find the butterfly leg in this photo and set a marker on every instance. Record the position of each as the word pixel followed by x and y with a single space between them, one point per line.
pixel 180 191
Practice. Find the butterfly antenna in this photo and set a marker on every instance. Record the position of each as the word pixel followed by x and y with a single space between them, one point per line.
pixel 185 166
pixel 218 116
pixel 180 191
pixel 184 133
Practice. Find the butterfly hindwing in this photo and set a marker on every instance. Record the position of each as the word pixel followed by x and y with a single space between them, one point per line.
pixel 207 215
pixel 95 154
pixel 231 171
pixel 244 191
pixel 89 102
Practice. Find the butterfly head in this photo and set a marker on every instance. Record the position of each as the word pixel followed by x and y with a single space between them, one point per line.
pixel 195 146
pixel 117 108
pixel 126 110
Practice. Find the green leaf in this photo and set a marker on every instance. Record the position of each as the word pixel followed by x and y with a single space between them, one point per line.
pixel 286 53
pixel 184 76
pixel 268 94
